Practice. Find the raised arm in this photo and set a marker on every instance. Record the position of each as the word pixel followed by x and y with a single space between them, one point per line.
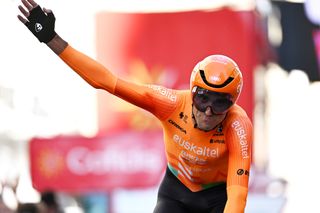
pixel 41 22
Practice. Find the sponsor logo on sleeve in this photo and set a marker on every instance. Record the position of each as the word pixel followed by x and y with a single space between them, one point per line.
pixel 168 93
pixel 242 172
pixel 242 136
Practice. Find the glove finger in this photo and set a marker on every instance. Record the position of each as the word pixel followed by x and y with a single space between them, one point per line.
pixel 36 14
pixel 51 15
pixel 47 10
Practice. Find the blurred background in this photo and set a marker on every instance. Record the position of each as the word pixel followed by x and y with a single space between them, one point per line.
pixel 66 147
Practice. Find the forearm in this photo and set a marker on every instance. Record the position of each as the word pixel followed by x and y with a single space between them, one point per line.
pixel 237 199
pixel 41 22
pixel 57 44
pixel 89 69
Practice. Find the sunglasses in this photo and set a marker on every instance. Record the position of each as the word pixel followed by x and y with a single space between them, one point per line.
pixel 217 101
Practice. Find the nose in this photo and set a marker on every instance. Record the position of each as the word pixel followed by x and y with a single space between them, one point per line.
pixel 208 111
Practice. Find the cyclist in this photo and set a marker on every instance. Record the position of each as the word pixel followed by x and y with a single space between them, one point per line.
pixel 207 135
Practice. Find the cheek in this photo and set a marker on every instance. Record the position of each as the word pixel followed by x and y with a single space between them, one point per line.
pixel 197 113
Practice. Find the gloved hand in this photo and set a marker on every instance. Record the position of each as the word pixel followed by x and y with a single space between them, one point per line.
pixel 41 24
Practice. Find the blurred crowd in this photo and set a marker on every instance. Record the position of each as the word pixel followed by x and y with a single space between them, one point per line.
pixel 48 202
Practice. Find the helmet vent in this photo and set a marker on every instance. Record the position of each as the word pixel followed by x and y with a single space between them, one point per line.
pixel 214 85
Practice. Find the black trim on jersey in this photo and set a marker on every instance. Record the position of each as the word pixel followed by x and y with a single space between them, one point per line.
pixel 214 85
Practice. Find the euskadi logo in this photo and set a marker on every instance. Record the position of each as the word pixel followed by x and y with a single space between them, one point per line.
pixel 165 92
pixel 38 27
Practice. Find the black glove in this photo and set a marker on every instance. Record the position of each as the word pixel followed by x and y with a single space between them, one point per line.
pixel 41 24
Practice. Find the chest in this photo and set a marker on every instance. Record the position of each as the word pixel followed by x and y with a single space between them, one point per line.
pixel 183 139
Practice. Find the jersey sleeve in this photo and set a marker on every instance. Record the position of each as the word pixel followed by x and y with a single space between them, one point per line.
pixel 239 146
pixel 158 100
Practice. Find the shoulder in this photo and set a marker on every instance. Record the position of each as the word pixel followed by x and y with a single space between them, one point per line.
pixel 238 112
pixel 237 116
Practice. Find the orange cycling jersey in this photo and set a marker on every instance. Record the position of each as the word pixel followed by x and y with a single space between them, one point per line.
pixel 197 158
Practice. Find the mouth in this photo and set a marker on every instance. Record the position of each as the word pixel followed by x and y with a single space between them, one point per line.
pixel 207 119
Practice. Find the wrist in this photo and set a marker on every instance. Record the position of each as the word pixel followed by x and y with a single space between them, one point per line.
pixel 57 44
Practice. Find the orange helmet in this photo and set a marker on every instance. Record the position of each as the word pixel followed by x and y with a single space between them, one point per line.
pixel 217 73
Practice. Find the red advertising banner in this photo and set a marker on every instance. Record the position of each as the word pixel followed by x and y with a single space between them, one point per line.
pixel 163 48
pixel 78 164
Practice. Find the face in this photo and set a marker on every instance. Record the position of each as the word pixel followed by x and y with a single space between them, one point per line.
pixel 217 101
pixel 210 108
pixel 207 120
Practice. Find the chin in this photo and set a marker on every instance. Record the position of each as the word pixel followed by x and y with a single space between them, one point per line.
pixel 205 127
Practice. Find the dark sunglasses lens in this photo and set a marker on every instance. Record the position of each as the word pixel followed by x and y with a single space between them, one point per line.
pixel 201 102
pixel 218 102
pixel 221 105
